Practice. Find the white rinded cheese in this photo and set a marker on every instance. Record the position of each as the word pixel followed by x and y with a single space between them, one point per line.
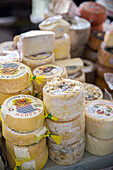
pixel 9 56
pixel 7 46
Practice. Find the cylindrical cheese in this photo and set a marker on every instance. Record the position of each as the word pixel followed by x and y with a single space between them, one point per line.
pixel 99 119
pixel 66 154
pixel 100 147
pixel 71 131
pixel 102 84
pixel 35 164
pixel 105 56
pixel 23 138
pixel 64 98
pixel 7 46
pixel 50 71
pixel 79 75
pixel 77 51
pixel 37 60
pixel 4 96
pixel 14 77
pixel 9 56
pixel 91 54
pixel 62 47
pixel 23 113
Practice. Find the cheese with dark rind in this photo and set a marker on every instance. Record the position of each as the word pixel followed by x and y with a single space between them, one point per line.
pixel 102 84
pixel 91 54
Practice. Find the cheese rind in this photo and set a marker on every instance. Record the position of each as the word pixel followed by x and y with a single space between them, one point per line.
pixel 23 113
pixel 91 54
pixel 79 75
pixel 9 56
pixel 77 51
pixel 108 38
pixel 36 42
pixel 16 40
pixel 7 46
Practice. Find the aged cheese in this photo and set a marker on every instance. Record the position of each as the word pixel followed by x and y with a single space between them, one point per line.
pixel 99 119
pixel 98 27
pixel 77 51
pixel 23 138
pixel 91 54
pixel 7 46
pixel 35 164
pixel 36 42
pixel 79 31
pixel 62 47
pixel 9 56
pixel 23 113
pixel 66 154
pixel 4 96
pixel 92 92
pixel 39 59
pixel 64 98
pixel 56 24
pixel 71 131
pixel 101 83
pixel 50 71
pixel 79 75
pixel 14 77
pixel 16 40
pixel 108 38
pixel 100 147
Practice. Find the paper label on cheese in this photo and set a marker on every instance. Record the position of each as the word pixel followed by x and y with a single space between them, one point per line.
pixel 21 153
pixel 29 165
pixel 49 70
pixel 9 56
pixel 51 20
pixel 13 70
pixel 22 106
pixel 100 109
pixel 41 56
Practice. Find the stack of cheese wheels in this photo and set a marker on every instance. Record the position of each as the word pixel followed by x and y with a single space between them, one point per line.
pixel 14 80
pixel 50 71
pixel 79 32
pixel 62 40
pixel 65 99
pixel 23 124
pixel 99 127
pixel 36 48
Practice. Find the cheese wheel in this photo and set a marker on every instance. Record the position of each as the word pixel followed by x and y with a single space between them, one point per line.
pixel 9 56
pixel 66 154
pixel 95 39
pixel 62 47
pixel 64 98
pixel 77 51
pixel 16 40
pixel 98 27
pixel 93 12
pixel 35 164
pixel 29 41
pixel 7 46
pixel 50 71
pixel 14 77
pixel 79 75
pixel 23 138
pixel 102 84
pixel 79 31
pixel 37 60
pixel 56 24
pixel 105 56
pixel 108 38
pixel 23 113
pixel 71 131
pixel 92 92
pixel 100 147
pixel 91 54
pixel 99 119
pixel 21 153
pixel 100 70
pixel 4 96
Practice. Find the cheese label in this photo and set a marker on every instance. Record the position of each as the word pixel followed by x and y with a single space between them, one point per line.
pixel 29 165
pixel 100 109
pixel 21 153
pixel 49 70
pixel 13 70
pixel 22 106
pixel 51 20
pixel 41 56
pixel 9 56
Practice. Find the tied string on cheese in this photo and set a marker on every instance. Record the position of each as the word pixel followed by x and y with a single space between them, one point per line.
pixel 38 95
pixel 38 79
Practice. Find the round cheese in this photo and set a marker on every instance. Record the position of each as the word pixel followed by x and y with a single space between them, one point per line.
pixel 108 38
pixel 91 54
pixel 37 60
pixel 50 71
pixel 100 70
pixel 105 56
pixel 92 92
pixel 9 56
pixel 79 75
pixel 23 138
pixel 79 31
pixel 71 131
pixel 77 51
pixel 7 46
pixel 100 147
pixel 23 113
pixel 56 24
pixel 14 77
pixel 95 39
pixel 21 153
pixel 102 84
pixel 4 96
pixel 64 98
pixel 66 154
pixel 99 119
pixel 35 164
pixel 62 47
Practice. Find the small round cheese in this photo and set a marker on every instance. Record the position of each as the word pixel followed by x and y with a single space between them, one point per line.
pixel 7 46
pixel 62 47
pixel 100 147
pixel 9 56
pixel 14 77
pixel 99 119
pixel 64 98
pixel 66 154
pixel 37 60
pixel 79 75
pixel 23 113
